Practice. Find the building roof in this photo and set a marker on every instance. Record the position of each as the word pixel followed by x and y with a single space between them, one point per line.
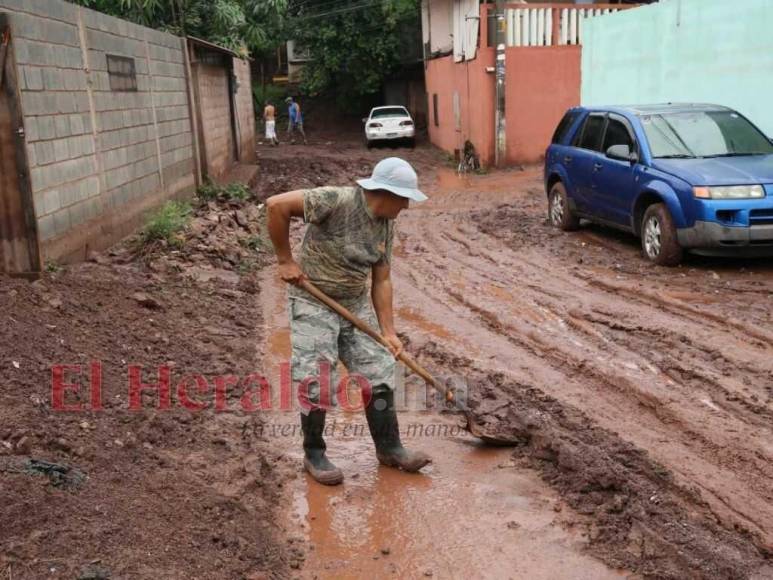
pixel 212 46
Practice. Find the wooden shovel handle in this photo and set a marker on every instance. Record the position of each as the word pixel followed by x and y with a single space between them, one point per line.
pixel 404 357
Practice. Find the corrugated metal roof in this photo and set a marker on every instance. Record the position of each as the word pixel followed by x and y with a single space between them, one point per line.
pixel 212 46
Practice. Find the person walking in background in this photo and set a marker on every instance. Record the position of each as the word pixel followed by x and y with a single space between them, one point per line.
pixel 296 120
pixel 269 116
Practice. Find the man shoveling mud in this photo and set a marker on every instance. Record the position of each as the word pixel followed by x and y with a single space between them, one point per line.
pixel 349 236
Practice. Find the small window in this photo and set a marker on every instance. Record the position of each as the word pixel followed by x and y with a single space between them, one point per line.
pixel 434 110
pixel 565 124
pixel 617 134
pixel 591 133
pixel 121 71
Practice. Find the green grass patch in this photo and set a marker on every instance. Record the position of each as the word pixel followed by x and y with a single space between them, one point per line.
pixel 167 224
pixel 212 191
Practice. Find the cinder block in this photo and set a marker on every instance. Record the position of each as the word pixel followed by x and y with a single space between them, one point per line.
pixel 44 151
pixel 97 60
pixel 33 78
pixel 82 104
pixel 46 229
pixel 31 129
pixel 74 147
pixel 53 79
pixel 46 8
pixel 32 158
pixel 61 152
pixel 93 207
pixel 39 178
pixel 89 187
pixel 75 81
pixel 50 201
pixel 65 103
pixel 76 124
pixel 62 124
pixel 67 194
pixel 62 221
pixel 67 57
pixel 46 127
pixel 77 214
pixel 33 52
pixel 88 145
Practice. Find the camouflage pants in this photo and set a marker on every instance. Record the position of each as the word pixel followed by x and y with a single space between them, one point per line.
pixel 320 337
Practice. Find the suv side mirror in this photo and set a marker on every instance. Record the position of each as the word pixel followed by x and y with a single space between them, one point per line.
pixel 622 153
pixel 364 119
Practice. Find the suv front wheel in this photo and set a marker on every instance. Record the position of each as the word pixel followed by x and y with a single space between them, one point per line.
pixel 559 214
pixel 658 236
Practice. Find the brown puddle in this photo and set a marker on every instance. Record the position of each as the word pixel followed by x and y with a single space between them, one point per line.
pixel 470 514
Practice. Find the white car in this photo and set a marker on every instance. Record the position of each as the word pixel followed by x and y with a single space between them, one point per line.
pixel 389 124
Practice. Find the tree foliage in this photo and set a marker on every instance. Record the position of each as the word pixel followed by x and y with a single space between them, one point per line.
pixel 254 25
pixel 353 44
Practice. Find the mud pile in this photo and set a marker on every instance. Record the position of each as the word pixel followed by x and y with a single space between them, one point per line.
pixel 307 171
pixel 639 518
pixel 225 239
pixel 165 491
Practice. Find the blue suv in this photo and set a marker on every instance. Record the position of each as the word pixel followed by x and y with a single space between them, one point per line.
pixel 681 177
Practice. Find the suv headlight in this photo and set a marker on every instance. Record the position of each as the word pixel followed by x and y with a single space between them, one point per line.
pixel 729 192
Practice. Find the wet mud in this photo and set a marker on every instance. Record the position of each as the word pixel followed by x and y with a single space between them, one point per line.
pixel 641 520
pixel 642 396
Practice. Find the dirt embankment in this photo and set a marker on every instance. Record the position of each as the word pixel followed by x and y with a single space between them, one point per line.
pixel 150 493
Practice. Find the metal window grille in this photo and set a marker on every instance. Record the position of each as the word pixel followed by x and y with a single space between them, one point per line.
pixel 123 76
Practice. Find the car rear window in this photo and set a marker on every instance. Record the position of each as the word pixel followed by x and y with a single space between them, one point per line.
pixel 564 125
pixel 591 133
pixel 389 112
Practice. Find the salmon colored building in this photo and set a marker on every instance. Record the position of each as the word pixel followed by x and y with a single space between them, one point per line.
pixel 542 64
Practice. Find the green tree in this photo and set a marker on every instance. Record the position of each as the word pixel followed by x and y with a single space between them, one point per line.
pixel 252 25
pixel 353 44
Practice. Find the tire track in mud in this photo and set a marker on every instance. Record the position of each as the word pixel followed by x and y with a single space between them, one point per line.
pixel 679 308
pixel 560 353
pixel 642 520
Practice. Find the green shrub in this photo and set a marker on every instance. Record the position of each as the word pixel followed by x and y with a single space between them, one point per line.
pixel 274 93
pixel 167 224
pixel 238 191
pixel 209 191
pixel 212 191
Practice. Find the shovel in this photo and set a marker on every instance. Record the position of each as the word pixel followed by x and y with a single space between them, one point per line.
pixel 472 426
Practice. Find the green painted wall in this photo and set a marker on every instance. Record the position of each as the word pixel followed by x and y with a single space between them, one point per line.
pixel 711 51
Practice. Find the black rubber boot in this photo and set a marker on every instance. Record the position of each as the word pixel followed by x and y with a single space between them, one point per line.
pixel 382 421
pixel 315 461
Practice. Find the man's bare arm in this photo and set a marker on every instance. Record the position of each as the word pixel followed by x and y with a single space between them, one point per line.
pixel 280 210
pixel 381 294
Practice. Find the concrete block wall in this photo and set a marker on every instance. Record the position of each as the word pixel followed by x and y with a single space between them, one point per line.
pixel 218 143
pixel 245 110
pixel 98 158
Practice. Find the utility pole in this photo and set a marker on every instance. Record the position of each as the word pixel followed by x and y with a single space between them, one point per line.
pixel 500 139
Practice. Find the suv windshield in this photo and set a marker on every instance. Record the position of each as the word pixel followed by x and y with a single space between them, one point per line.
pixel 389 112
pixel 703 134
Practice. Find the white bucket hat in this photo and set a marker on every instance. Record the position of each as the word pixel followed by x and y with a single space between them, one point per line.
pixel 395 175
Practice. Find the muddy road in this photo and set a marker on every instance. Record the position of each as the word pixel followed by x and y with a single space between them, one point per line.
pixel 644 396
pixel 641 398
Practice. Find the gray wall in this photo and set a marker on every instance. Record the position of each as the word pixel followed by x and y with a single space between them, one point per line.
pixel 99 159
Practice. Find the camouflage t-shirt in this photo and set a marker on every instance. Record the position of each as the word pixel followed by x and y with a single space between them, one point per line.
pixel 343 242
